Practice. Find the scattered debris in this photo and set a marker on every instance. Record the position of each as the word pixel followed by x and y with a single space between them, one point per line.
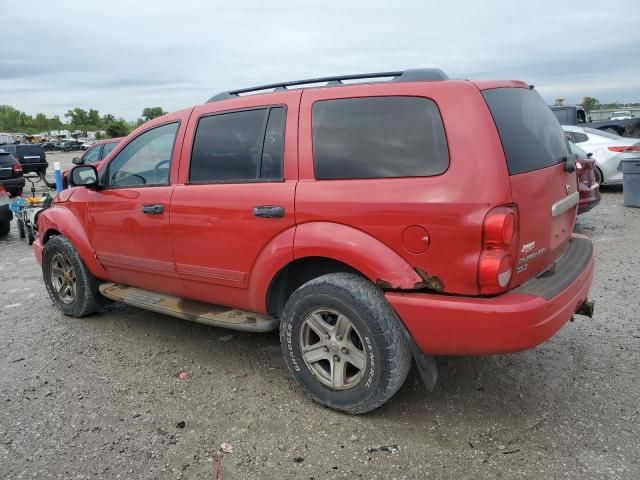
pixel 242 375
pixel 507 452
pixel 227 338
pixel 384 448
pixel 218 467
pixel 226 447
pixel 184 376
pixel 181 424
pixel 298 459
pixel 17 360
pixel 353 438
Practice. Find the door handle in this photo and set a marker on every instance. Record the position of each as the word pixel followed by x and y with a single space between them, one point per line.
pixel 268 211
pixel 153 209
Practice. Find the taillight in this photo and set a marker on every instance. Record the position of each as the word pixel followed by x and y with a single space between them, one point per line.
pixel 17 168
pixel 499 248
pixel 625 149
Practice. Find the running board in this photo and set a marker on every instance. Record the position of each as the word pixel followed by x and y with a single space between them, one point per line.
pixel 191 310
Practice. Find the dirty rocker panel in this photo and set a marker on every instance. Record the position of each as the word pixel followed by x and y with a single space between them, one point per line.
pixel 191 310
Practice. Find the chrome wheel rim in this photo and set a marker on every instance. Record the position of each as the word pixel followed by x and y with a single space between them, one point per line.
pixel 63 278
pixel 333 349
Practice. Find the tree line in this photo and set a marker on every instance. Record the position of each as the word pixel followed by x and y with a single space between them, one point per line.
pixel 13 120
pixel 591 103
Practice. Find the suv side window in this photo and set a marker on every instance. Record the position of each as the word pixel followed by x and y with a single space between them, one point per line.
pixel 145 160
pixel 241 146
pixel 378 137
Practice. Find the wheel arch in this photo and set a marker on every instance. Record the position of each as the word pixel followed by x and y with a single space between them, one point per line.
pixel 61 221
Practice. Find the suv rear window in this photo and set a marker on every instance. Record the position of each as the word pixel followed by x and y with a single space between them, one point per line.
pixel 531 135
pixel 29 150
pixel 378 137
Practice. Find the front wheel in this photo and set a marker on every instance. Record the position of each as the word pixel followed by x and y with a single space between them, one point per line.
pixel 344 343
pixel 69 283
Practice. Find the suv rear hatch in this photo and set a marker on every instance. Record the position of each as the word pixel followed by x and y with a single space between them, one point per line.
pixel 546 196
pixel 30 153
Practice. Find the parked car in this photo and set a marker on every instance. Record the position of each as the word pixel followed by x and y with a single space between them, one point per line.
pixel 88 144
pixel 342 216
pixel 6 139
pixel 588 186
pixel 5 213
pixel 622 115
pixel 48 146
pixel 11 176
pixel 69 146
pixel 93 155
pixel 608 151
pixel 31 157
pixel 576 115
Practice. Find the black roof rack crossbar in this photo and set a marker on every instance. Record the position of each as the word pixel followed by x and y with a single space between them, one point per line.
pixel 411 75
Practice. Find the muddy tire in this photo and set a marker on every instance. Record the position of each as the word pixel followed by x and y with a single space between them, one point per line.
pixel 21 230
pixel 69 283
pixel 5 228
pixel 344 343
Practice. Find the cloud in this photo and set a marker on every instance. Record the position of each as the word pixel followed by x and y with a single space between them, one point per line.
pixel 129 55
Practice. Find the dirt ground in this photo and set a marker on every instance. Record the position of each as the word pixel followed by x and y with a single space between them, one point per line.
pixel 101 397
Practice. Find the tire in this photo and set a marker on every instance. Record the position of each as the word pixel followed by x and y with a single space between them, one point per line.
pixel 5 228
pixel 21 230
pixel 599 176
pixel 86 298
pixel 375 335
pixel 16 193
pixel 30 234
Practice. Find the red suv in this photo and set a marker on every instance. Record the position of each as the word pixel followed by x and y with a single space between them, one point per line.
pixel 370 222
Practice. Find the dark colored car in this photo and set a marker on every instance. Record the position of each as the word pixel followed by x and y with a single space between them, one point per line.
pixel 576 115
pixel 588 187
pixel 93 155
pixel 31 157
pixel 69 146
pixel 48 146
pixel 355 218
pixel 5 214
pixel 11 177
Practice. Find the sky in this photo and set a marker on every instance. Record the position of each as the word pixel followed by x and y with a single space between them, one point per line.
pixel 122 56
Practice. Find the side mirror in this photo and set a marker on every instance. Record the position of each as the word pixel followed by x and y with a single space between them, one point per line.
pixel 589 155
pixel 84 176
pixel 77 161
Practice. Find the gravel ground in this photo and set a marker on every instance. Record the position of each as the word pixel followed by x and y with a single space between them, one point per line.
pixel 101 397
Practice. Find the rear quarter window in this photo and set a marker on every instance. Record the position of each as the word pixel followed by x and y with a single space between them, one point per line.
pixel 530 133
pixel 378 137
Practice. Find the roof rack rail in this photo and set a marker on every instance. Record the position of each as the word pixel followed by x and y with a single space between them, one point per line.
pixel 411 75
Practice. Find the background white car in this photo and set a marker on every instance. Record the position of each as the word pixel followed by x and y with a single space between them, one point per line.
pixel 608 151
pixel 621 115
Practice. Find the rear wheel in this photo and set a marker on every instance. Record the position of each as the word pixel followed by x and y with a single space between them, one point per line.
pixel 599 176
pixel 69 283
pixel 21 229
pixel 344 343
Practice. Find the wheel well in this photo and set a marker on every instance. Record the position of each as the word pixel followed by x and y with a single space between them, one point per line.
pixel 297 273
pixel 50 233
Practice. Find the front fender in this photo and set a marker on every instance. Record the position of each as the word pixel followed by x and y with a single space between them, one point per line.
pixel 361 251
pixel 59 218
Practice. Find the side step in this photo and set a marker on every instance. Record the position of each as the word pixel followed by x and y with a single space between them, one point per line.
pixel 191 310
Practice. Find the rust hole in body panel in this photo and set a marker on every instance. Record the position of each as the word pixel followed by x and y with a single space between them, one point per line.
pixel 429 282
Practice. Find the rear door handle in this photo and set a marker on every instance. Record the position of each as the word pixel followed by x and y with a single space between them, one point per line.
pixel 153 209
pixel 269 211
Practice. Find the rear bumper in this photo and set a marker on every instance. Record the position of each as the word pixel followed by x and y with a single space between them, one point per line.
pixel 12 184
pixel 34 167
pixel 515 321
